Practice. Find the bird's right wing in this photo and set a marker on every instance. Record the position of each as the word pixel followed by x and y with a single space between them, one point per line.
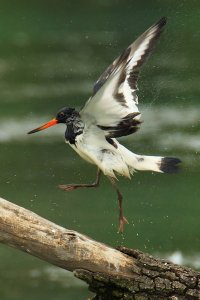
pixel 113 105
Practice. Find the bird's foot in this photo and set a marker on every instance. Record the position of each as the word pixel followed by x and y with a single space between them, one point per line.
pixel 122 222
pixel 67 187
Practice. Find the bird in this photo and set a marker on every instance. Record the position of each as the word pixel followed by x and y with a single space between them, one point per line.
pixel 110 113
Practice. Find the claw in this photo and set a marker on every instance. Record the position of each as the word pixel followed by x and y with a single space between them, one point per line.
pixel 122 222
pixel 68 188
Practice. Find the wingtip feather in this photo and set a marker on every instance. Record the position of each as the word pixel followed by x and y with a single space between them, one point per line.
pixel 162 22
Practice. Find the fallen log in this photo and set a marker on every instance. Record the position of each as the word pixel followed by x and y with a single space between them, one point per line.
pixel 111 273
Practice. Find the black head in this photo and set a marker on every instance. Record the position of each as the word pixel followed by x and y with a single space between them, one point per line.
pixel 61 117
pixel 64 113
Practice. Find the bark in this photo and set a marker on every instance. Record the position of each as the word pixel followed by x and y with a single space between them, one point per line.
pixel 111 273
pixel 157 279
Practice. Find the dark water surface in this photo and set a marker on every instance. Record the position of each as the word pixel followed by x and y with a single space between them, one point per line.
pixel 50 55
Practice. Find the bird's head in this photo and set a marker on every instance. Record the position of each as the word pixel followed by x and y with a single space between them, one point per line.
pixel 62 116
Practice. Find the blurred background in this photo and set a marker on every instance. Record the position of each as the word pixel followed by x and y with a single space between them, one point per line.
pixel 51 52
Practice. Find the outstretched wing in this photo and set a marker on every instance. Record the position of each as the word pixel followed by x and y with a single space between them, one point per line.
pixel 113 105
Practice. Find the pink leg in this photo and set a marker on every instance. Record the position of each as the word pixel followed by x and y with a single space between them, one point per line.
pixel 122 219
pixel 71 187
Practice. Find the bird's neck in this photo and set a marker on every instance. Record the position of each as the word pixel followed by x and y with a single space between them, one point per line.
pixel 74 128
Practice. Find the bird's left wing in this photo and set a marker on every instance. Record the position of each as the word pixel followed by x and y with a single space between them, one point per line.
pixel 113 105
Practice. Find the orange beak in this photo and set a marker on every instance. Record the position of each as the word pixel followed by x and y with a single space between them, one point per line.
pixel 49 124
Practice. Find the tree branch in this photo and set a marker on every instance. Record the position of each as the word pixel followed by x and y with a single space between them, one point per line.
pixel 112 273
pixel 70 250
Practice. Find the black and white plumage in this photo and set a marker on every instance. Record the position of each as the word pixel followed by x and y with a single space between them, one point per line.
pixel 112 112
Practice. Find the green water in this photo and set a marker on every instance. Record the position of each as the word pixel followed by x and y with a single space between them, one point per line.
pixel 50 55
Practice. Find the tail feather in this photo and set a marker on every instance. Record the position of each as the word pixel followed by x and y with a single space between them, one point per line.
pixel 157 164
pixel 150 163
pixel 170 165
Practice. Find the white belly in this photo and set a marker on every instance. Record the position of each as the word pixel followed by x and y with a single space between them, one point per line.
pixel 96 150
pixel 81 153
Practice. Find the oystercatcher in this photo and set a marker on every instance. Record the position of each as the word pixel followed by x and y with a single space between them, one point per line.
pixel 112 112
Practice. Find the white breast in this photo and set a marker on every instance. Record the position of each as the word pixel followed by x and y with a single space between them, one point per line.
pixel 93 147
pixel 80 150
